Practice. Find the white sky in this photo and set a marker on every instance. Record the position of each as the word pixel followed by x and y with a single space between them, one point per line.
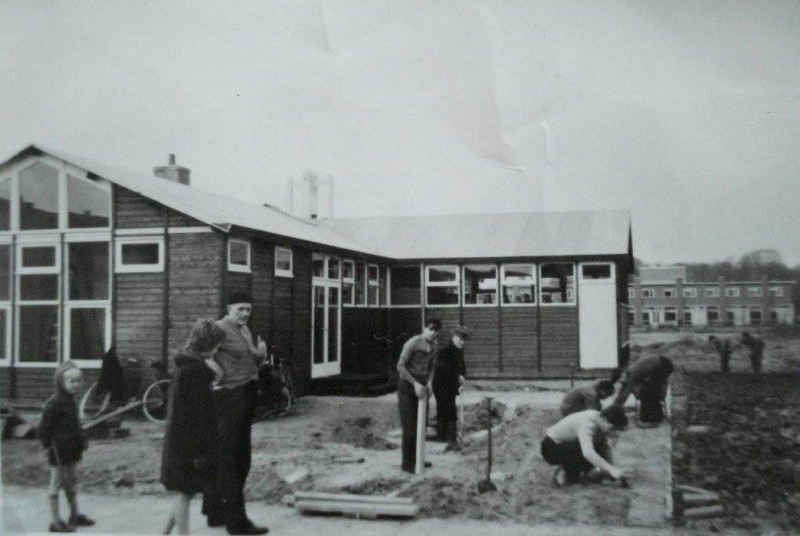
pixel 685 112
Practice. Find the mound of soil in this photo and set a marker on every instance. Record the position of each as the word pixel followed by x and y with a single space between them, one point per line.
pixel 476 419
pixel 751 455
pixel 360 432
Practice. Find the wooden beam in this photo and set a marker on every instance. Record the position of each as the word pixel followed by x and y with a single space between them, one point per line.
pixel 422 425
pixel 369 510
pixel 107 416
pixel 345 497
pixel 704 512
pixel 695 499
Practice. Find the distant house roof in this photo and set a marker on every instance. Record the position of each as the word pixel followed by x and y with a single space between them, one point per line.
pixel 412 237
pixel 544 234
pixel 212 209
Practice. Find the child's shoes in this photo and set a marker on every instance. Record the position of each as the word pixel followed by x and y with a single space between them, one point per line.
pixel 60 526
pixel 80 520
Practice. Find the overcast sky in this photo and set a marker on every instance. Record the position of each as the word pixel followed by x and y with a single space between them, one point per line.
pixel 686 113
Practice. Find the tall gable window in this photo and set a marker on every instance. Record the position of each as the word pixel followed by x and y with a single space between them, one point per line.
pixel 38 190
pixel 5 204
pixel 87 204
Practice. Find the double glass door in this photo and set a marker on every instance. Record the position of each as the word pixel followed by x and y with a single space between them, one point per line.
pixel 325 331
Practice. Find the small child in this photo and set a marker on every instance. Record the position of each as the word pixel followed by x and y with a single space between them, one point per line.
pixel 60 433
pixel 189 458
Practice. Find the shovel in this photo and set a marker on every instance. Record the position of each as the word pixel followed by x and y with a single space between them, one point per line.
pixel 461 418
pixel 485 486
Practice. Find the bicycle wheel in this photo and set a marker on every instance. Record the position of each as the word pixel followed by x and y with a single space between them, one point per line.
pixel 92 404
pixel 154 401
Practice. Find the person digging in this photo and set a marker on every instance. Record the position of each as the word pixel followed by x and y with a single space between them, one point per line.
pixel 578 445
pixel 648 380
pixel 449 374
pixel 415 368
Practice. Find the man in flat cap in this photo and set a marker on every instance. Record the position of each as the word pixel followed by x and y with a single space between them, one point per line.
pixel 235 396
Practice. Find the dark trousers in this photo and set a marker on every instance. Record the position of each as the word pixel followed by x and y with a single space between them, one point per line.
pixel 407 400
pixel 651 395
pixel 225 502
pixel 446 412
pixel 724 362
pixel 755 361
pixel 568 455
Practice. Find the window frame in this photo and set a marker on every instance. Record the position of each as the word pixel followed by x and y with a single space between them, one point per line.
pixel 648 292
pixel 67 281
pixel 420 301
pixel 711 292
pixel 442 284
pixel 571 303
pixel 279 272
pixel 67 330
pixel 776 291
pixel 246 268
pixel 497 296
pixel 690 292
pixel 631 293
pixel 348 281
pixel 755 292
pixel 733 292
pixel 670 290
pixel 374 283
pixel 7 307
pixel 502 285
pixel 121 268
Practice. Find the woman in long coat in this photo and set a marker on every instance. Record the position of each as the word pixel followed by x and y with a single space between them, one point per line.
pixel 189 458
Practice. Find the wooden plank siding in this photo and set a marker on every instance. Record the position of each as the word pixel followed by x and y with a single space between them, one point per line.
pixel 559 339
pixel 36 384
pixel 133 211
pixel 262 264
pixel 404 323
pixel 139 315
pixel 520 341
pixel 300 319
pixel 482 355
pixel 194 280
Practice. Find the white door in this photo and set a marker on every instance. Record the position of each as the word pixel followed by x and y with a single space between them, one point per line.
pixel 326 319
pixel 597 315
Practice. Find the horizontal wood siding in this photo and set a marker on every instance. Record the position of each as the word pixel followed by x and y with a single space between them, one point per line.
pixel 139 301
pixel 37 384
pixel 236 282
pixel 364 350
pixel 301 320
pixel 482 351
pixel 560 348
pixel 520 342
pixel 5 382
pixel 403 324
pixel 194 281
pixel 282 317
pixel 178 219
pixel 450 317
pixel 134 211
pixel 262 266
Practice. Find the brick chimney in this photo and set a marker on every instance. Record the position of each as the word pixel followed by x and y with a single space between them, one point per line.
pixel 172 172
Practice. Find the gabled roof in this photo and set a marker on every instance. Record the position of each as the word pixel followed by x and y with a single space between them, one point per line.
pixel 544 234
pixel 413 237
pixel 212 209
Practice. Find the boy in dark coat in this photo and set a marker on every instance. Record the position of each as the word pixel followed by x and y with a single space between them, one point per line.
pixel 60 433
pixel 189 458
pixel 724 348
pixel 449 374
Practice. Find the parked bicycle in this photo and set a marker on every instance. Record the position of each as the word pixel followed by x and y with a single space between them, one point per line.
pixel 143 383
pixel 275 389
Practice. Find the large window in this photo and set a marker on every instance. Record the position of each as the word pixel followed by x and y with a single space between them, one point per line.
pixel 557 283
pixel 480 285
pixel 732 292
pixel 755 292
pixel 38 285
pixel 87 204
pixel 711 292
pixel 690 293
pixel 519 284
pixel 776 291
pixel 405 286
pixel 38 191
pixel 88 275
pixel 441 285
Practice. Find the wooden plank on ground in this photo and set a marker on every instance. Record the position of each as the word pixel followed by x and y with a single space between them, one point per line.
pixel 370 510
pixel 344 497
pixel 697 499
pixel 107 416
pixel 703 512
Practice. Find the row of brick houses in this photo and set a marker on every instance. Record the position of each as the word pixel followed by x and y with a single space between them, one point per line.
pixel 661 296
pixel 94 256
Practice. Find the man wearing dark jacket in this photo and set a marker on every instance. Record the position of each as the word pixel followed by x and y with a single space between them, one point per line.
pixel 756 347
pixel 648 380
pixel 449 374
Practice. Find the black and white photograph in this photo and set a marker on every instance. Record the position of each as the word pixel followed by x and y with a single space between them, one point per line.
pixel 400 267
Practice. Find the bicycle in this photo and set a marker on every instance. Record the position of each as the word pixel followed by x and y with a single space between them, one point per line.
pixel 275 389
pixel 150 393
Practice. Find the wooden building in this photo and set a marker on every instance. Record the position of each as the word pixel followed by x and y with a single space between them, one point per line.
pixel 93 256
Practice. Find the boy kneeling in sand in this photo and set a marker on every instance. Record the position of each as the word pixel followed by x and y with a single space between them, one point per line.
pixel 578 444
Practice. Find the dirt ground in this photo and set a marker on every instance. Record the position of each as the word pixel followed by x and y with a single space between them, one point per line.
pixel 751 454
